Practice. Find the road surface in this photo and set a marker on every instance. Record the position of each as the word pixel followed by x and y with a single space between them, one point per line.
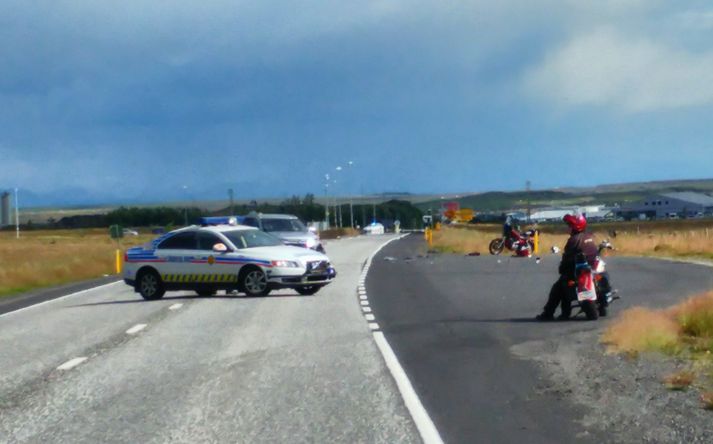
pixel 284 368
pixel 461 328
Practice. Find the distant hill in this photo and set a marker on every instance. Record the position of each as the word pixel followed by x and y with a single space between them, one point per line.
pixel 603 194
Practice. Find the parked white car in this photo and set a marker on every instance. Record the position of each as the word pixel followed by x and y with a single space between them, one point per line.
pixel 374 228
pixel 206 259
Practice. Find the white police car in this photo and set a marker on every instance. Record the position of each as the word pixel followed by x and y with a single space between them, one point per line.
pixel 227 257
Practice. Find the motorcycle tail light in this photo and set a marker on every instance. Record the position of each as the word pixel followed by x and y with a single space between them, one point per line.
pixel 598 277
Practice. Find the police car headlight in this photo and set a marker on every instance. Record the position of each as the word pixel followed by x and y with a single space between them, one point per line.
pixel 310 243
pixel 285 264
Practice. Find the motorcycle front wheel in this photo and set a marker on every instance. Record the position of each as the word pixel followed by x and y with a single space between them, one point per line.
pixel 496 246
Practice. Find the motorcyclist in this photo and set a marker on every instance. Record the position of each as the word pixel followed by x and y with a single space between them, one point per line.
pixel 579 243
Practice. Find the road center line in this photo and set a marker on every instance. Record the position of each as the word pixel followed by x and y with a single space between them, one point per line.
pixel 72 363
pixel 135 329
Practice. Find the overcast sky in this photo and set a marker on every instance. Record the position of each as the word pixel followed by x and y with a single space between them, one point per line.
pixel 148 100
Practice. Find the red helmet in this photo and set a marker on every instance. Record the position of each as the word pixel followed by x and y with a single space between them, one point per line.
pixel 576 222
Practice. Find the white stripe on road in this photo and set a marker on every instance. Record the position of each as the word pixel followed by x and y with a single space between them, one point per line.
pixel 362 297
pixel 365 303
pixel 72 363
pixel 425 425
pixel 175 306
pixel 135 329
pixel 59 298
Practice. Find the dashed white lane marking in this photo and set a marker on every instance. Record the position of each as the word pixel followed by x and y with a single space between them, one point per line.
pixel 72 363
pixel 135 329
pixel 373 325
pixel 60 298
pixel 175 306
pixel 366 309
pixel 362 297
pixel 365 303
pixel 370 317
pixel 425 425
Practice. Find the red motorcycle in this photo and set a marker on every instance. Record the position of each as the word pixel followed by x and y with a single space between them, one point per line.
pixel 522 244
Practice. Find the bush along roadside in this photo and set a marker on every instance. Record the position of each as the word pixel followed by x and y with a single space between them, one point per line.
pixel 683 331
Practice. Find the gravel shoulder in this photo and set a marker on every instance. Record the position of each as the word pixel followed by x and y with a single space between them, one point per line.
pixel 625 396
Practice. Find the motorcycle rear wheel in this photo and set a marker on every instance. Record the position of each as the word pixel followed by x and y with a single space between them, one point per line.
pixel 590 309
pixel 496 246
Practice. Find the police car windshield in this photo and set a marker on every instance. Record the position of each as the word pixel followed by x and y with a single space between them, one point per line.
pixel 252 238
pixel 283 225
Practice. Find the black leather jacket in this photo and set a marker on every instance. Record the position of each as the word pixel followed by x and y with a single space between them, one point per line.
pixel 577 243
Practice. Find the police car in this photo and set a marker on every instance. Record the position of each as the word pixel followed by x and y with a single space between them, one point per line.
pixel 225 256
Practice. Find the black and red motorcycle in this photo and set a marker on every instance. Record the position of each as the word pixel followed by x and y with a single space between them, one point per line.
pixel 522 244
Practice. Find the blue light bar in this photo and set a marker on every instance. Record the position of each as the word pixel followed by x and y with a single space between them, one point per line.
pixel 219 220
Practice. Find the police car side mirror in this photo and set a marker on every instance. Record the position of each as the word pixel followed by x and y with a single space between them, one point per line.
pixel 220 248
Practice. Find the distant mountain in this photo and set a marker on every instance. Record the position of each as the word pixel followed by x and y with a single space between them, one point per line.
pixel 614 194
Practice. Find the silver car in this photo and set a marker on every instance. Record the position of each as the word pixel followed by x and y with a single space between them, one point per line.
pixel 287 227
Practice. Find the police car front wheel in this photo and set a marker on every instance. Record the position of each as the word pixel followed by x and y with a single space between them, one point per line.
pixel 254 283
pixel 149 285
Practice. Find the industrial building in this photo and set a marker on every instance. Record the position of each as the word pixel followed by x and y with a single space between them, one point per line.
pixel 668 206
pixel 4 209
pixel 591 212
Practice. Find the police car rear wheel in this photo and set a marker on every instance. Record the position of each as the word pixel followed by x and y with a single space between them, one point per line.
pixel 150 285
pixel 255 283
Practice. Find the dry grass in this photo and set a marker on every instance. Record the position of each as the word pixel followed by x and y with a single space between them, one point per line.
pixel 656 240
pixel 684 330
pixel 640 330
pixel 707 400
pixel 680 380
pixel 45 258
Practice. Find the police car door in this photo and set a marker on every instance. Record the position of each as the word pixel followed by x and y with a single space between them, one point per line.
pixel 179 251
pixel 212 269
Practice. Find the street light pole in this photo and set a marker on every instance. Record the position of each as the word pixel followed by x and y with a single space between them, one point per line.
pixel 326 201
pixel 185 206
pixel 17 215
pixel 351 203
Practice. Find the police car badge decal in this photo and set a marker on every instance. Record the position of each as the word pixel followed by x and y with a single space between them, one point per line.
pixel 211 260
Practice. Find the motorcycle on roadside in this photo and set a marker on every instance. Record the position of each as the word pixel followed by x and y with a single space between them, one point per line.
pixel 592 291
pixel 522 244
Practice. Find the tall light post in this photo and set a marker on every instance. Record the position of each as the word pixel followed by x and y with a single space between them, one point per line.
pixel 326 201
pixel 351 202
pixel 339 211
pixel 185 206
pixel 17 215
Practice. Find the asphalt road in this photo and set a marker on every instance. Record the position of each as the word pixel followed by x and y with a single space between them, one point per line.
pixel 454 323
pixel 284 368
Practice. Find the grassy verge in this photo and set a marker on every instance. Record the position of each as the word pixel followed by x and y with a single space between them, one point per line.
pixel 684 330
pixel 663 240
pixel 46 258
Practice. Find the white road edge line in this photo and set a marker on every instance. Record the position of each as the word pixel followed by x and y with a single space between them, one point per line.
pixel 72 363
pixel 135 329
pixel 175 306
pixel 60 298
pixel 370 317
pixel 424 424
